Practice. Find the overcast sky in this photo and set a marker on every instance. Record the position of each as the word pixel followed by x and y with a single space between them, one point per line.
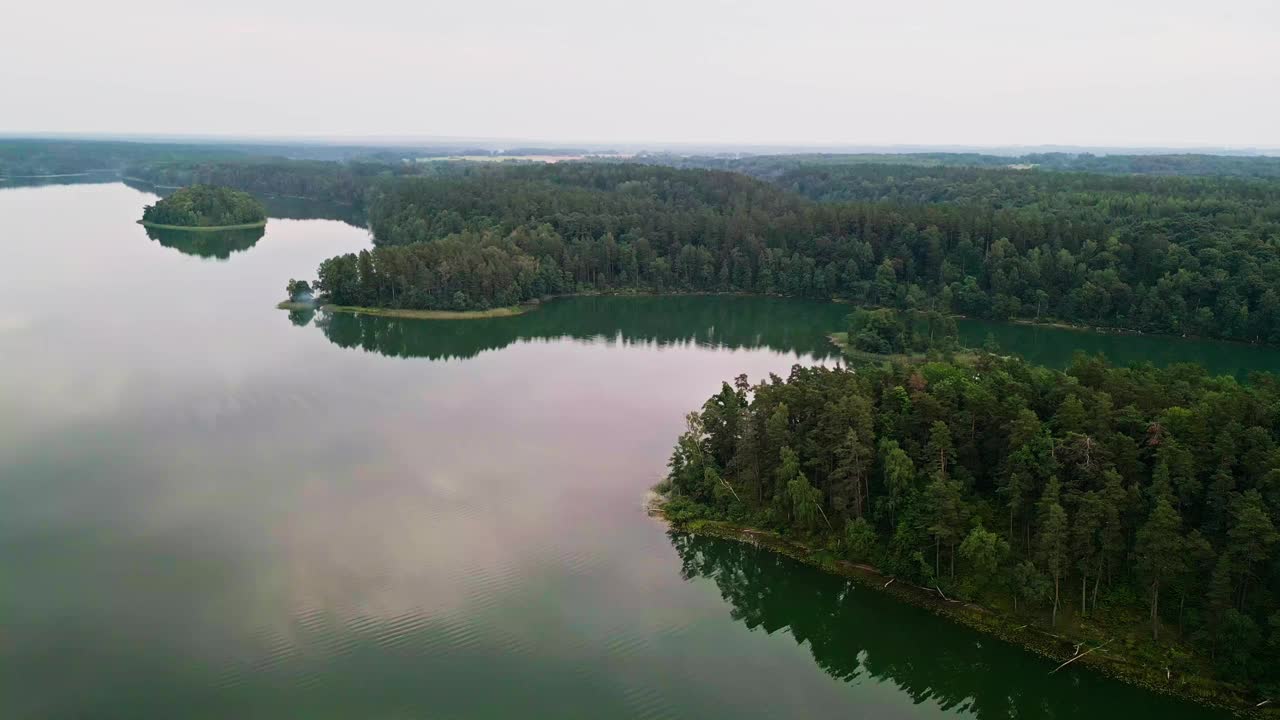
pixel 980 72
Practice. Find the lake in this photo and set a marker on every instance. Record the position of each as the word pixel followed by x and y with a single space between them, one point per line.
pixel 210 508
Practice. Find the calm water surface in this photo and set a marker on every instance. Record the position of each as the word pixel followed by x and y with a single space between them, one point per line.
pixel 213 509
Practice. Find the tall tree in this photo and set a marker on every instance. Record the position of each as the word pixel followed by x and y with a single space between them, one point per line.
pixel 1159 555
pixel 1053 538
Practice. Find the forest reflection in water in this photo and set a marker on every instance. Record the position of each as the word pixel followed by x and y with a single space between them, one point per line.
pixel 858 635
pixel 731 322
pixel 214 244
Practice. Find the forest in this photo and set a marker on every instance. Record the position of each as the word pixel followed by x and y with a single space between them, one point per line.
pixel 1191 164
pixel 27 157
pixel 1172 244
pixel 339 183
pixel 205 206
pixel 1175 255
pixel 1139 500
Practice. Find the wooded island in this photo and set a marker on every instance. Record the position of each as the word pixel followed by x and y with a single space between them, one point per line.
pixel 205 207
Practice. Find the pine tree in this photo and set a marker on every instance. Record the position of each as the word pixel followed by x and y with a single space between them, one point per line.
pixel 941 450
pixel 1053 538
pixel 1252 534
pixel 1159 554
pixel 1085 543
pixel 947 516
pixel 1070 417
pixel 899 475
pixel 850 487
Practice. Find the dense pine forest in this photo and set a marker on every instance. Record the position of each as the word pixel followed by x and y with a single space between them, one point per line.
pixel 1188 164
pixel 1137 500
pixel 1175 255
pixel 1175 244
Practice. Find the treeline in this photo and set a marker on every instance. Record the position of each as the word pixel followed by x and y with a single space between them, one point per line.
pixel 333 182
pixel 1138 499
pixel 1170 255
pixel 348 182
pixel 46 156
pixel 1189 164
pixel 1174 255
pixel 35 157
pixel 1122 197
pixel 205 206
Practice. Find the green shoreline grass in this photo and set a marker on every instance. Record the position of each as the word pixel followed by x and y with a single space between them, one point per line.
pixel 1109 661
pixel 431 314
pixel 508 311
pixel 203 228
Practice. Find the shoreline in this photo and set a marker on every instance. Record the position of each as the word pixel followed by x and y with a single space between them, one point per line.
pixel 1192 688
pixel 1115 330
pixel 1070 326
pixel 499 312
pixel 203 228
pixel 1028 322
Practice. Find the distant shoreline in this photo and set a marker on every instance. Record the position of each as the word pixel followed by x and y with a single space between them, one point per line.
pixel 203 228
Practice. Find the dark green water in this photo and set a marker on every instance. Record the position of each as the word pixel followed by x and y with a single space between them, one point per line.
pixel 1055 347
pixel 212 509
pixel 755 322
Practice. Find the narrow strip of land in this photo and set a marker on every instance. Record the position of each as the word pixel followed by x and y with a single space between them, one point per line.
pixel 432 314
pixel 204 228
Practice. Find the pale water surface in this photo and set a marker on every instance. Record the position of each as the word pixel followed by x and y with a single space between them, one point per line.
pixel 210 508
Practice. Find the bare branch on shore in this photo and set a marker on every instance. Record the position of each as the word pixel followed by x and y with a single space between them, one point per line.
pixel 1077 657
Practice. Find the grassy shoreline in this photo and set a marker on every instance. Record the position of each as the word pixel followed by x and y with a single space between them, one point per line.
pixel 203 228
pixel 1109 660
pixel 431 314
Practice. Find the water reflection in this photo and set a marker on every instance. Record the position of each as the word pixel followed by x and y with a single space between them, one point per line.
pixel 216 244
pixel 1044 345
pixel 786 325
pixel 297 208
pixel 301 318
pixel 708 321
pixel 856 635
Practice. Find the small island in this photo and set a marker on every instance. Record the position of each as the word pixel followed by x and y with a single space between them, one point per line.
pixel 205 207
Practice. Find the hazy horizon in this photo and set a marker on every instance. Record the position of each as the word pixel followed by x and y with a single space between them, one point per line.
pixel 624 146
pixel 927 73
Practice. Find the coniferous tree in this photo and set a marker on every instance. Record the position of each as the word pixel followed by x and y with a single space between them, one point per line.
pixel 1053 538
